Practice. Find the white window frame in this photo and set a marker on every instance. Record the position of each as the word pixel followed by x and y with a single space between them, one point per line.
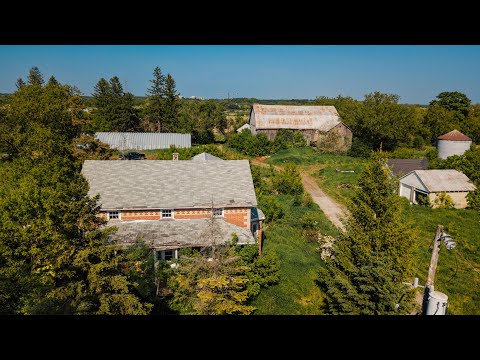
pixel 118 213
pixel 167 217
pixel 218 215
pixel 162 254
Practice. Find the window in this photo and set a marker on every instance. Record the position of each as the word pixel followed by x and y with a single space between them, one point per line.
pixel 218 212
pixel 254 227
pixel 113 215
pixel 166 255
pixel 167 214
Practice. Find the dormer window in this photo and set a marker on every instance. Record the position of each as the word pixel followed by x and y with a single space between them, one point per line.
pixel 113 215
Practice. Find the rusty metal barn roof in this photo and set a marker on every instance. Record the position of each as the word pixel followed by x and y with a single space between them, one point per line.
pixel 144 140
pixel 322 118
pixel 444 180
pixel 454 135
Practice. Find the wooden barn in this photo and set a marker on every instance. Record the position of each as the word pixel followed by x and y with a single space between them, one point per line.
pixel 320 125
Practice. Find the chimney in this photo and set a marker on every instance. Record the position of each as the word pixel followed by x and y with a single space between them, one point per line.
pixel 175 156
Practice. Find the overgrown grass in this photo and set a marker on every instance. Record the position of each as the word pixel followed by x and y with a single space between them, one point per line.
pixel 338 184
pixel 458 271
pixel 296 292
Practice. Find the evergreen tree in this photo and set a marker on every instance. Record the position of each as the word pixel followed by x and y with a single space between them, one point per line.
pixel 171 105
pixel 375 254
pixel 35 77
pixel 53 253
pixel 155 112
pixel 114 107
pixel 52 81
pixel 20 83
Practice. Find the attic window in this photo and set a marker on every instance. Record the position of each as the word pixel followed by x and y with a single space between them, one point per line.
pixel 167 214
pixel 113 215
pixel 217 212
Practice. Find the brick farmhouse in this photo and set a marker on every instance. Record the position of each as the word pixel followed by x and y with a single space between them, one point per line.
pixel 173 204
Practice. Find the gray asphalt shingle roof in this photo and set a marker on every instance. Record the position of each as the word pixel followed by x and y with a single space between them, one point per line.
pixel 154 184
pixel 205 156
pixel 169 234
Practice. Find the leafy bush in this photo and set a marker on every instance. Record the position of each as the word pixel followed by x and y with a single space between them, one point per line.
pixel 286 138
pixel 310 224
pixel 306 199
pixel 443 201
pixel 288 181
pixel 271 207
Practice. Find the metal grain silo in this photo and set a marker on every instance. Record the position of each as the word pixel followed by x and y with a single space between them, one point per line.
pixel 452 143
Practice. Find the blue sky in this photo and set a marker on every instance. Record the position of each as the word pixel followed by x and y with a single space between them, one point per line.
pixel 416 73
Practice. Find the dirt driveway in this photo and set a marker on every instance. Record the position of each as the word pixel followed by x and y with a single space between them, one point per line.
pixel 333 210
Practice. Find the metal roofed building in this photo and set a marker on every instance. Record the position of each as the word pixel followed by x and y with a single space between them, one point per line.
pixel 144 140
pixel 431 183
pixel 452 143
pixel 318 124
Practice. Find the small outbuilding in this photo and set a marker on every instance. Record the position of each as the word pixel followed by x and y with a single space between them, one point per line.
pixel 452 143
pixel 429 184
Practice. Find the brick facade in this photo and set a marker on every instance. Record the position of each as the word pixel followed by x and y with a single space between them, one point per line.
pixel 236 216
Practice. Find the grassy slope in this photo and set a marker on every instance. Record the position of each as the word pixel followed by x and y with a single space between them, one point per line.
pixel 455 274
pixel 296 292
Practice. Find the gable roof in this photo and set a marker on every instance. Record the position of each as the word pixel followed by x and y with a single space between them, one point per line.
pixel 179 233
pixel 144 140
pixel 322 118
pixel 205 156
pixel 243 127
pixel 443 180
pixel 404 166
pixel 454 135
pixel 170 184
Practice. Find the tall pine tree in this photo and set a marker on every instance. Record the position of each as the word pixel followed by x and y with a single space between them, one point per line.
pixel 375 255
pixel 114 108
pixel 171 105
pixel 35 77
pixel 154 111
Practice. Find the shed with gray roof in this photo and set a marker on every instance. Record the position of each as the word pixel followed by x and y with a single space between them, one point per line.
pixel 431 183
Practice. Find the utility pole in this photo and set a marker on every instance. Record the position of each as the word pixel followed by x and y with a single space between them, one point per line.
pixel 432 267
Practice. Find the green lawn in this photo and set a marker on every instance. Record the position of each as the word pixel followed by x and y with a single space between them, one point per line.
pixel 458 271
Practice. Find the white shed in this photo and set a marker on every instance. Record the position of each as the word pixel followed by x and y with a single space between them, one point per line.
pixel 431 183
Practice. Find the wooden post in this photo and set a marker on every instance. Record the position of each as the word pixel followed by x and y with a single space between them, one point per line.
pixel 432 268
pixel 259 238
